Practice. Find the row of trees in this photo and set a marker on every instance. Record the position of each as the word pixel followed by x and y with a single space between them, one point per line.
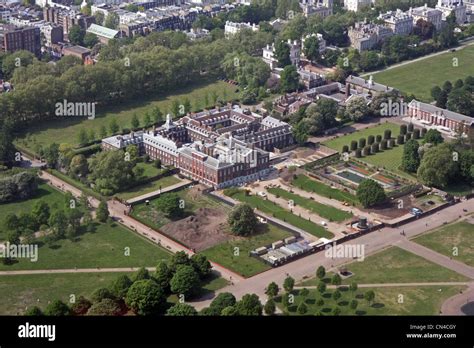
pixel 457 97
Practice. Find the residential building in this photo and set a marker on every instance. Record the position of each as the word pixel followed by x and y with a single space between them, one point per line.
pixel 52 33
pixel 358 85
pixel 364 36
pixel 321 41
pixel 232 28
pixel 219 147
pixel 356 5
pixel 269 54
pixel 322 8
pixel 449 6
pixel 77 51
pixel 5 14
pixel 428 14
pixel 431 115
pixel 399 22
pixel 15 39
pixel 67 18
pixel 104 34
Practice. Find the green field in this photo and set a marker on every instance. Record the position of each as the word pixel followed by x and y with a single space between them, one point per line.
pixel 66 130
pixel 103 248
pixel 21 291
pixel 278 212
pixel 149 187
pixel 225 253
pixel 151 216
pixel 149 169
pixel 448 240
pixel 390 159
pixel 305 183
pixel 45 192
pixel 419 77
pixel 425 300
pixel 325 211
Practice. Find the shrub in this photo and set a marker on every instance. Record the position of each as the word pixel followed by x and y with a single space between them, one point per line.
pixel 378 138
pixel 358 153
pixel 370 140
pixel 416 133
pixel 408 136
pixel 410 127
pixel 375 147
pixel 383 144
pixel 400 139
pixel 366 151
pixel 345 149
pixel 423 132
pixel 403 129
pixel 353 145
pixel 362 143
pixel 387 134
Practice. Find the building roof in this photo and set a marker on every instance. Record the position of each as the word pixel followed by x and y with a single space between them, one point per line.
pixel 441 112
pixel 102 31
pixel 369 84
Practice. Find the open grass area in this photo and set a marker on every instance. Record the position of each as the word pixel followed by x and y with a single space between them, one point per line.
pixel 390 159
pixel 426 300
pixel 305 183
pixel 149 187
pixel 149 169
pixel 455 240
pixel 234 254
pixel 418 77
pixel 278 212
pixel 151 216
pixel 21 291
pixel 45 193
pixel 65 130
pixel 395 265
pixel 104 248
pixel 325 211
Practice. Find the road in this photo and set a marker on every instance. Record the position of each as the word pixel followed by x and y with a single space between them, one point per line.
pixel 373 242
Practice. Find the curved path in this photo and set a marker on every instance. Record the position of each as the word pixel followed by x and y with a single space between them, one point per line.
pixel 453 305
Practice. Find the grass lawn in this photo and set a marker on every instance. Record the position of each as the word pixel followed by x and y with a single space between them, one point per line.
pixel 149 187
pixel 426 300
pixel 278 212
pixel 45 193
pixel 149 169
pixel 103 248
pixel 225 253
pixel 418 78
pixel 151 216
pixel 459 235
pixel 21 291
pixel 66 129
pixel 459 189
pixel 390 159
pixel 305 183
pixel 395 265
pixel 325 211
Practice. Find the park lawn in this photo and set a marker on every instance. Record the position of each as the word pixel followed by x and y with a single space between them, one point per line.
pixel 395 265
pixel 104 248
pixel 45 193
pixel 149 169
pixel 305 183
pixel 418 78
pixel 459 235
pixel 278 212
pixel 66 130
pixel 148 187
pixel 21 291
pixel 151 216
pixel 325 211
pixel 423 300
pixel 234 254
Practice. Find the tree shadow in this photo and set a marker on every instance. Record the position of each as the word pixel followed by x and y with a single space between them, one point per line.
pixel 343 303
pixel 360 312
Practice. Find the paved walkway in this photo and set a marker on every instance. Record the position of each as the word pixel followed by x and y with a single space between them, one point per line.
pixel 389 285
pixel 75 270
pixel 453 305
pixel 182 183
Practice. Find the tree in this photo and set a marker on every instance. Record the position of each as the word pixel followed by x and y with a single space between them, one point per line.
pixel 269 307
pixel 105 307
pixel 282 54
pixel 354 303
pixel 370 193
pixel 437 167
pixel 33 312
pixel 369 296
pixel 442 99
pixel 311 48
pixel 411 157
pixel 142 274
pixel 78 166
pixel 336 295
pixel 272 290
pixel 179 258
pixel 229 311
pixel 249 305
pixel 353 287
pixel 322 287
pixel 336 279
pixel 435 92
pixel 321 272
pixel 289 79
pixel 147 120
pixel 76 35
pixel 169 204
pixel 41 212
pixel 145 297
pixel 163 276
pixel 181 310
pixel 57 308
pixel 90 40
pixel 101 294
pixel 11 222
pixel 223 300
pixel 288 284
pixel 300 132
pixel 113 126
pixel 357 109
pixel 120 286
pixel 321 116
pixel 185 281
pixel 433 136
pixel 102 212
pixel 112 20
pixel 7 149
pixel 242 220
pixel 302 308
pixel 103 132
pixel 336 311
pixel 135 121
pixel 58 223
pixel 201 264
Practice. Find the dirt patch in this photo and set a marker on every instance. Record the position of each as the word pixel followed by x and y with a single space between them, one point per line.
pixel 204 229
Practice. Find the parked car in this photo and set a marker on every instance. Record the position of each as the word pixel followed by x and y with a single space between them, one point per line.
pixel 416 211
